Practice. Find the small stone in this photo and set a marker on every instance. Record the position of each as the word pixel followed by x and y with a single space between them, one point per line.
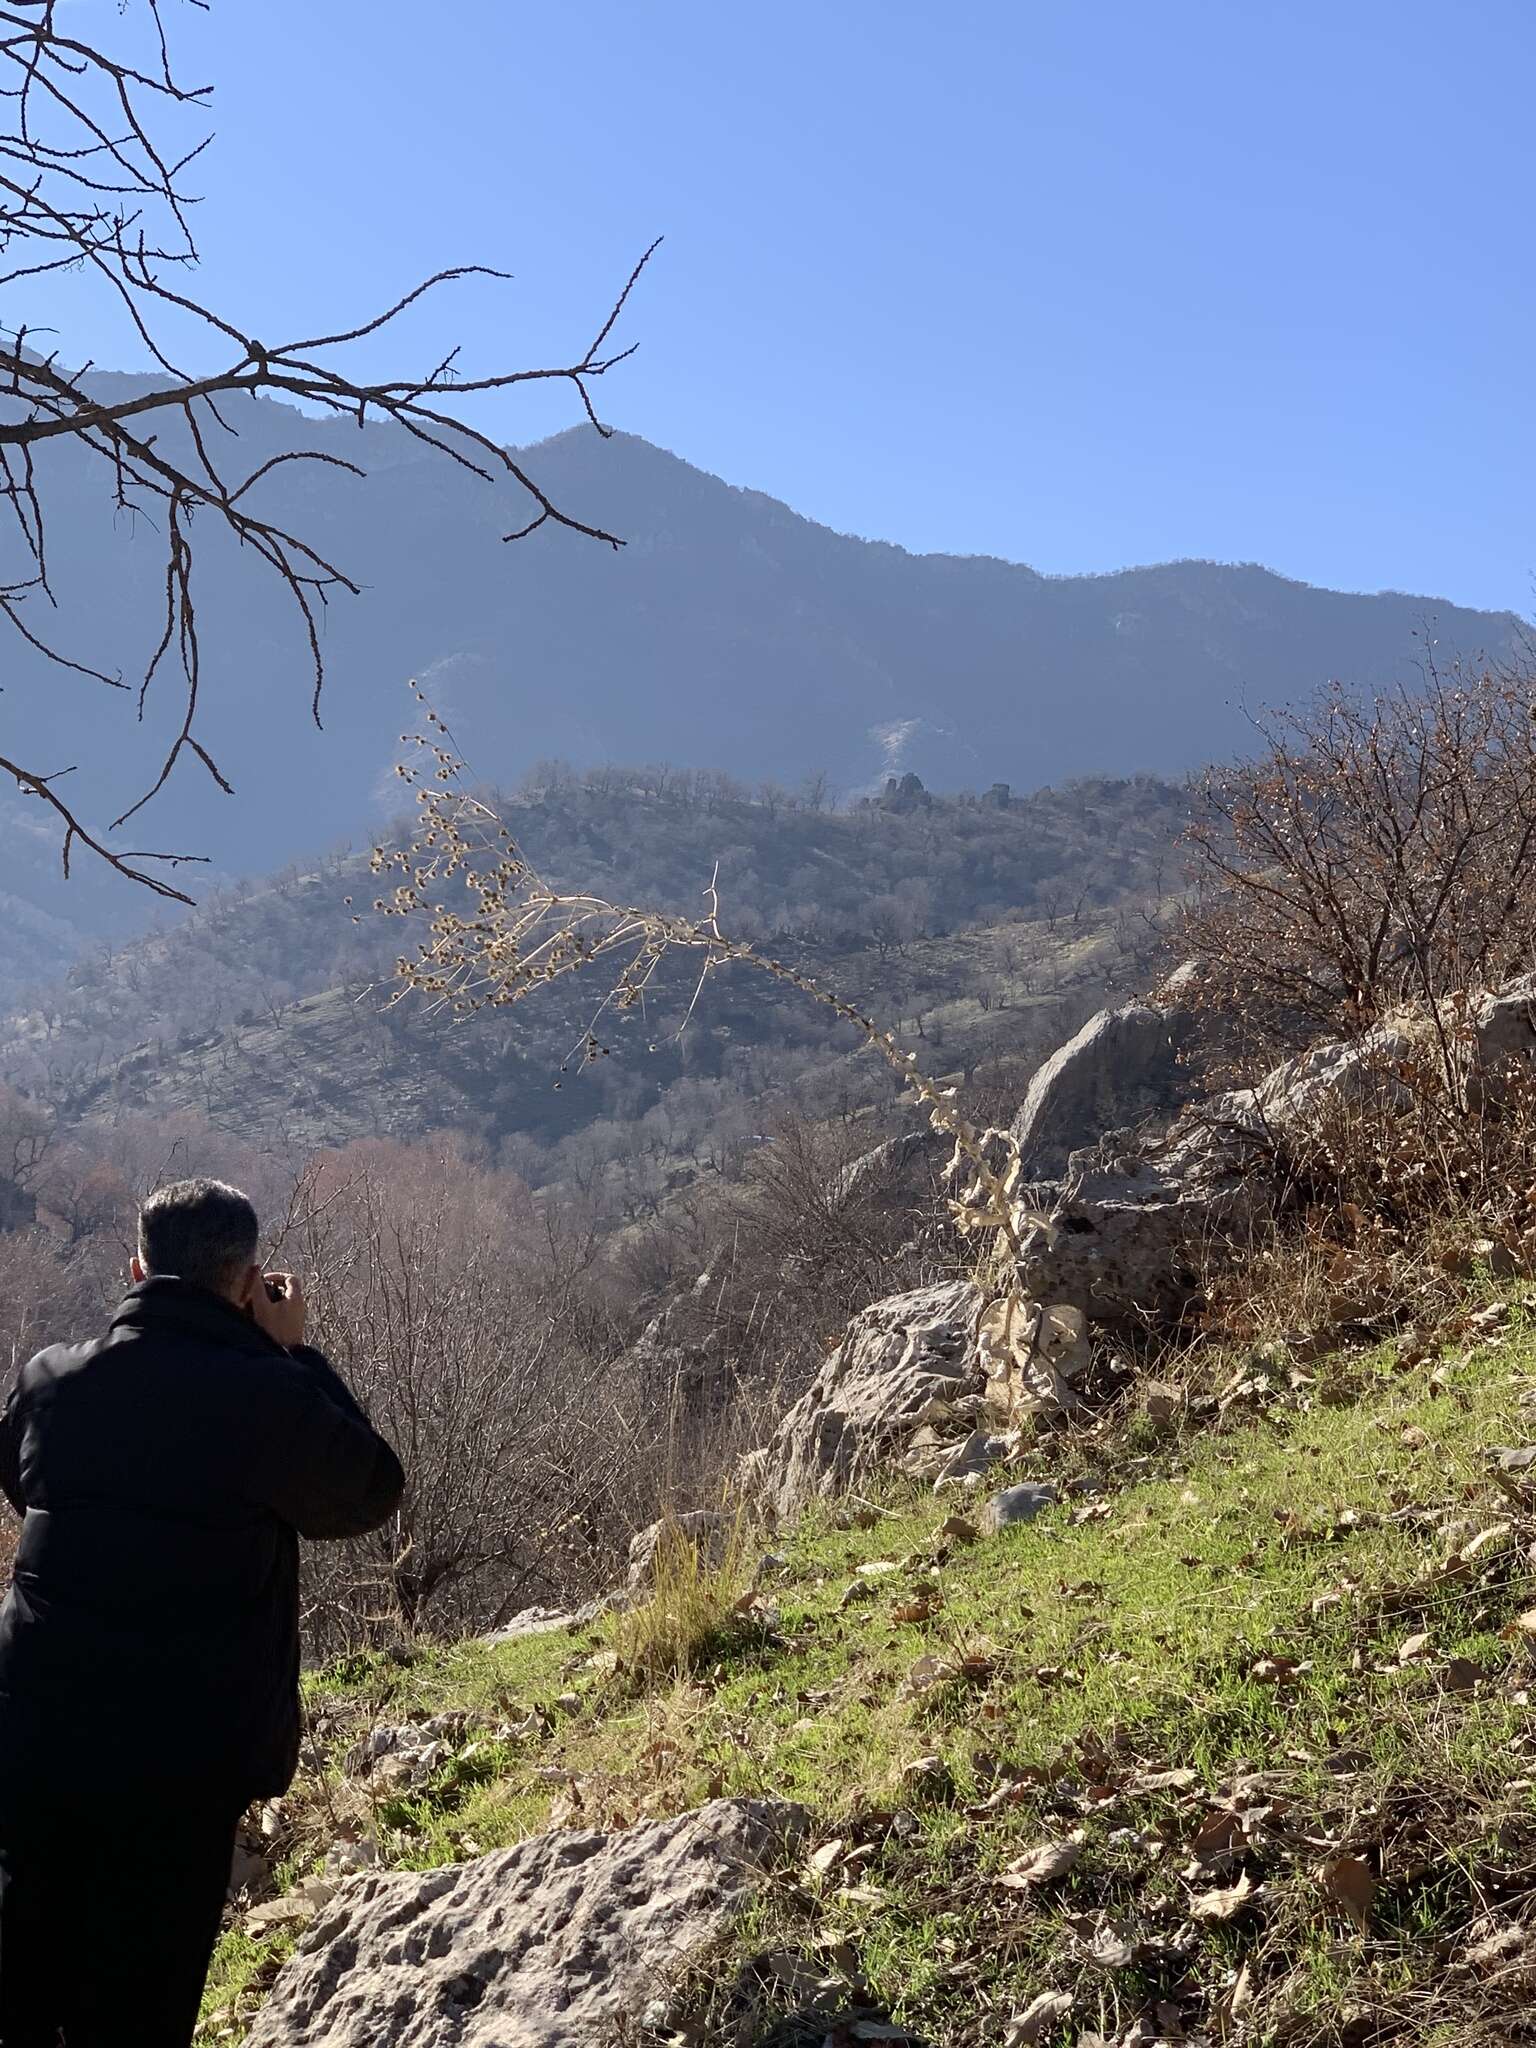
pixel 1164 1403
pixel 1016 1504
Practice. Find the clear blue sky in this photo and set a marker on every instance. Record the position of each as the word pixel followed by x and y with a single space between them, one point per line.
pixel 1081 284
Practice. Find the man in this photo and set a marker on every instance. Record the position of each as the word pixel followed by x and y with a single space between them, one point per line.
pixel 149 1647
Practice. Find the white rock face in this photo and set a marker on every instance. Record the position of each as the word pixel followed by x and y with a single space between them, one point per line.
pixel 1126 1237
pixel 906 1362
pixel 1120 1069
pixel 1505 1026
pixel 553 1944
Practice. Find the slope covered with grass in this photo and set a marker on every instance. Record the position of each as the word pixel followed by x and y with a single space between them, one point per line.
pixel 1232 1744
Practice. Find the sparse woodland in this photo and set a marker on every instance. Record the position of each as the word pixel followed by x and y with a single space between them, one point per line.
pixel 666 1282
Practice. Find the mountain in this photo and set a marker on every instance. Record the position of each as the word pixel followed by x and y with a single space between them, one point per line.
pixel 729 633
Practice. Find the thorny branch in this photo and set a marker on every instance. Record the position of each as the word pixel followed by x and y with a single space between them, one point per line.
pixel 86 187
pixel 496 932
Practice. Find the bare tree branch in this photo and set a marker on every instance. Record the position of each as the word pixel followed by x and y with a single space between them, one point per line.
pixel 88 185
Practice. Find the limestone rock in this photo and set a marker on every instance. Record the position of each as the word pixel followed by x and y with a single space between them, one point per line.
pixel 1126 1239
pixel 1121 1069
pixel 957 1463
pixel 1295 1097
pixel 906 1362
pixel 546 1621
pixel 553 1944
pixel 1123 1240
pixel 1505 1026
pixel 706 1527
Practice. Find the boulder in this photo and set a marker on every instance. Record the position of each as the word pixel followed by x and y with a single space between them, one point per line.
pixel 1504 1026
pixel 562 1942
pixel 907 1363
pixel 706 1527
pixel 1294 1099
pixel 1123 1241
pixel 1122 1069
pixel 546 1621
pixel 1129 1229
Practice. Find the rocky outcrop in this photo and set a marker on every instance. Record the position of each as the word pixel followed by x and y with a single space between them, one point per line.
pixel 1121 1070
pixel 554 1944
pixel 546 1621
pixel 1130 1228
pixel 1123 1238
pixel 906 1363
pixel 1296 1099
pixel 939 1383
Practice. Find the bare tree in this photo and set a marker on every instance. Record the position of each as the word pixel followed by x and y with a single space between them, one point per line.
pixel 455 1313
pixel 93 164
pixel 1375 853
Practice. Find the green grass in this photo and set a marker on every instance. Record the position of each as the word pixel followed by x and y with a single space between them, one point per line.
pixel 1123 1633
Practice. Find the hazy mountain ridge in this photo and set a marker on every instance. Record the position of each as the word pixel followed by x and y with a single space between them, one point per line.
pixel 729 633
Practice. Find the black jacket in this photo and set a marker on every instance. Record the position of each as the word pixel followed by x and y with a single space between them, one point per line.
pixel 165 1472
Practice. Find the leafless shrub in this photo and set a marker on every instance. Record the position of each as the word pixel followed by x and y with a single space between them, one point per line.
pixel 1375 853
pixel 455 1317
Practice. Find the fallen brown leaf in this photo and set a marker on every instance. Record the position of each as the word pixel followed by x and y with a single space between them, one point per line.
pixel 1351 1884
pixel 1225 1902
pixel 1461 1674
pixel 1043 2014
pixel 1165 1781
pixel 1043 1864
pixel 1217 1836
pixel 922 1609
pixel 799 1978
pixel 1487 1541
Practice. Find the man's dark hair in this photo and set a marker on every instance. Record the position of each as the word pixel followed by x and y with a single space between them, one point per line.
pixel 200 1230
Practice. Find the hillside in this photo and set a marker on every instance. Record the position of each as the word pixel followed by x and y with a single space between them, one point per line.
pixel 973 927
pixel 1228 1746
pixel 729 633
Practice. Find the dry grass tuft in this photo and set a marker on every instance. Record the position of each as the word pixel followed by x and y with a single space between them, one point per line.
pixel 700 1604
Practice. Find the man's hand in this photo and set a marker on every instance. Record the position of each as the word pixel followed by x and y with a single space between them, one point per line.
pixel 277 1303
